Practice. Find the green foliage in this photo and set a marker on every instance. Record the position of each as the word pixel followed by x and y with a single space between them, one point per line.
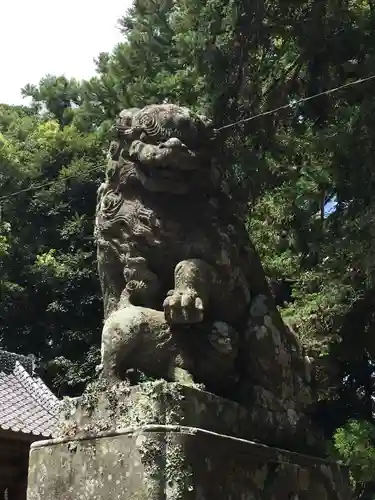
pixel 51 303
pixel 231 60
pixel 355 446
pixel 4 238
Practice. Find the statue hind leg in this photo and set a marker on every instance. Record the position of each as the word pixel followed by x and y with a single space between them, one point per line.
pixel 136 338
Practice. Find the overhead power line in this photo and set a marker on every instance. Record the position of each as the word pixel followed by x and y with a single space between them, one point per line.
pixel 296 103
pixel 44 184
pixel 224 127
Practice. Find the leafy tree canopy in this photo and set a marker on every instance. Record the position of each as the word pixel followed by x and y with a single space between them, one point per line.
pixel 232 60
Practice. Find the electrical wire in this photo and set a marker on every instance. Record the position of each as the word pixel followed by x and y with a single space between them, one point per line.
pixel 224 127
pixel 296 103
pixel 44 184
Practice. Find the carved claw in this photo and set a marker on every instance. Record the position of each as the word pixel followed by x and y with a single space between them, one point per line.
pixel 183 307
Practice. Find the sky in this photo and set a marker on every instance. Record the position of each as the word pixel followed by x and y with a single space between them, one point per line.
pixel 42 37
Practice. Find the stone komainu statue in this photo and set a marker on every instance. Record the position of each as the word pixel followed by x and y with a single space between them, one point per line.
pixel 185 295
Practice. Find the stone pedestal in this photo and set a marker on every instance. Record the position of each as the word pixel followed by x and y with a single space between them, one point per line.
pixel 168 442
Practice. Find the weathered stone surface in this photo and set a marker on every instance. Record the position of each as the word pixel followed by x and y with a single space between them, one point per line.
pixel 186 303
pixel 177 463
pixel 185 295
pixel 112 407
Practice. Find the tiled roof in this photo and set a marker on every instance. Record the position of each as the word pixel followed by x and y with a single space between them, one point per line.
pixel 26 403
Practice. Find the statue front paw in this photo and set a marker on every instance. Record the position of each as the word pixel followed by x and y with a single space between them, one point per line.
pixel 183 307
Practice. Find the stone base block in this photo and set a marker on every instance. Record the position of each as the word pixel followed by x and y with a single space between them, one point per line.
pixel 112 407
pixel 161 462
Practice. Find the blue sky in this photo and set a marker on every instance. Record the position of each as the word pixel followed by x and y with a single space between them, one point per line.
pixel 45 36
